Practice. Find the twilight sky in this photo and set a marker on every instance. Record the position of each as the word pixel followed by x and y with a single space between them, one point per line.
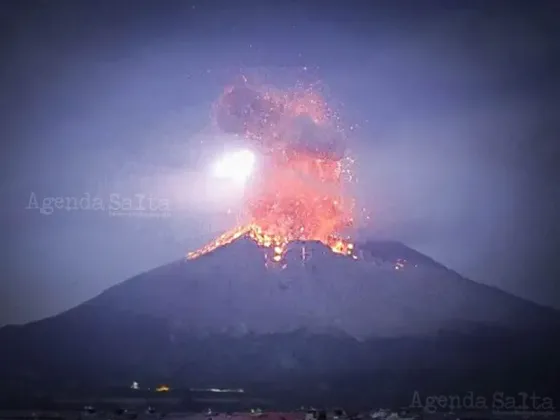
pixel 456 112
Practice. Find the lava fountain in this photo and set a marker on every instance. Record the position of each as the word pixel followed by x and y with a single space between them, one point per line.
pixel 300 191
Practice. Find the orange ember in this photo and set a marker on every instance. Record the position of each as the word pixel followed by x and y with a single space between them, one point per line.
pixel 299 191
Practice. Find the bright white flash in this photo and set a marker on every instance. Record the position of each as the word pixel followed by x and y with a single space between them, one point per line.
pixel 237 166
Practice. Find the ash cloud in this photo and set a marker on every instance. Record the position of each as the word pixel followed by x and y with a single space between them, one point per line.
pixel 241 108
pixel 247 112
pixel 304 135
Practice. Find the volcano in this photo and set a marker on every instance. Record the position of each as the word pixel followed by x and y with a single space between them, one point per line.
pixel 316 325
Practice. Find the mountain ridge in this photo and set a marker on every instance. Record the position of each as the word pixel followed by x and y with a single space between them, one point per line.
pixel 226 319
pixel 325 290
pixel 382 255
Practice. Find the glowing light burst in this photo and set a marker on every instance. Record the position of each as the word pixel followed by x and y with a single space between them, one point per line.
pixel 236 166
pixel 299 192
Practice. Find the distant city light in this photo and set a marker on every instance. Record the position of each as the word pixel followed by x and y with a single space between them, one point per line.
pixel 234 390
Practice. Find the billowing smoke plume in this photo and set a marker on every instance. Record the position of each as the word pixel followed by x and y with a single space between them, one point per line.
pixel 299 193
pixel 306 136
pixel 274 120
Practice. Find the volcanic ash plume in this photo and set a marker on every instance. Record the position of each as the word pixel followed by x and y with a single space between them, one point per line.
pixel 299 192
pixel 273 120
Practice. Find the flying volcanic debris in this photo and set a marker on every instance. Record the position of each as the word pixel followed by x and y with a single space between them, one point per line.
pixel 273 120
pixel 299 194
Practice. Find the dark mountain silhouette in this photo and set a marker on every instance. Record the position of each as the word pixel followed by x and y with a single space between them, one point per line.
pixel 320 326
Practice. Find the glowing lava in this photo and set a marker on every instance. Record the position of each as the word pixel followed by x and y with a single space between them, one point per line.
pixel 299 192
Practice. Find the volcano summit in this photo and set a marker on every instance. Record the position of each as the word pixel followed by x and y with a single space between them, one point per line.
pixel 241 287
pixel 317 325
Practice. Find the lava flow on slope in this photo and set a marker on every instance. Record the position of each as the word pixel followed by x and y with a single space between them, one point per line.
pixel 299 192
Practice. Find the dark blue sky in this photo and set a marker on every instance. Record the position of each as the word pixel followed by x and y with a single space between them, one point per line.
pixel 457 109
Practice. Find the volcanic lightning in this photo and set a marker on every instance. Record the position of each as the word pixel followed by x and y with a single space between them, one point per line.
pixel 299 192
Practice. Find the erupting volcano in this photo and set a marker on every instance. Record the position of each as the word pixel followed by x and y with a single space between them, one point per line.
pixel 323 329
pixel 300 192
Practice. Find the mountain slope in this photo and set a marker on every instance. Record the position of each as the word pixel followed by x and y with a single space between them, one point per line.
pixel 231 289
pixel 228 319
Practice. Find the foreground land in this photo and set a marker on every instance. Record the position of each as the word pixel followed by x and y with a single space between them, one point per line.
pixel 272 415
